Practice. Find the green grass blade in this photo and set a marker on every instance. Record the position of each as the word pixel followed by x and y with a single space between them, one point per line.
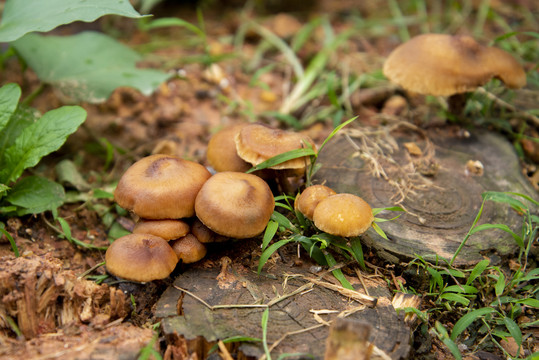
pixel 456 298
pixel 271 230
pixel 477 270
pixel 357 252
pixel 337 272
pixel 265 318
pixel 335 131
pixel 514 330
pixel 502 227
pixel 266 254
pixel 448 341
pixel 281 158
pixel 467 319
pixel 11 241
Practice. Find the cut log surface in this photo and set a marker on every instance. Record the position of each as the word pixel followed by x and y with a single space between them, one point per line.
pixel 302 317
pixel 439 216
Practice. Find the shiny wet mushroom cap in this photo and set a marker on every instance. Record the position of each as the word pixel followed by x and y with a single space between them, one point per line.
pixel 343 215
pixel 235 204
pixel 161 187
pixel 168 229
pixel 443 65
pixel 140 257
pixel 307 201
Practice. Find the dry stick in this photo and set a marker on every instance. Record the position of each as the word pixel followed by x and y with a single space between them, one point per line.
pixel 213 307
pixel 359 297
pixel 360 277
pixel 224 351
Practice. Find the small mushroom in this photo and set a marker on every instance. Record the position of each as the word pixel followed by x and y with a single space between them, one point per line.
pixel 445 65
pixel 188 249
pixel 256 143
pixel 221 152
pixel 235 204
pixel 140 257
pixel 307 201
pixel 161 187
pixel 168 229
pixel 343 215
pixel 204 234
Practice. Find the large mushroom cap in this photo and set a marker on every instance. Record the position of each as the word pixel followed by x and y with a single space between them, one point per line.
pixel 235 204
pixel 140 257
pixel 221 152
pixel 168 229
pixel 343 215
pixel 307 201
pixel 257 143
pixel 443 65
pixel 161 187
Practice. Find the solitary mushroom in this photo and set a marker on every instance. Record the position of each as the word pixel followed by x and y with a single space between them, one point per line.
pixel 343 215
pixel 188 249
pixel 307 201
pixel 235 204
pixel 140 257
pixel 445 65
pixel 161 187
pixel 168 229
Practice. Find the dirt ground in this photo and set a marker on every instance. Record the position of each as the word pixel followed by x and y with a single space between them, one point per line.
pixel 60 314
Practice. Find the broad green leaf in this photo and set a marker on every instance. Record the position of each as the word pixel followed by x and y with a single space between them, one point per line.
pixel 467 319
pixel 478 270
pixel 313 250
pixel 528 302
pixel 40 139
pixel 9 98
pixel 35 194
pixel 22 117
pixel 87 66
pixel 67 172
pixel 23 16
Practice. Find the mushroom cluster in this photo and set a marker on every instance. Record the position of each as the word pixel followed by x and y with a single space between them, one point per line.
pixel 337 214
pixel 181 206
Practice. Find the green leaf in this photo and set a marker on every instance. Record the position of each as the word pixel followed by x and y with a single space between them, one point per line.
pixel 502 227
pixel 87 66
pixel 456 298
pixel 500 284
pixel 35 194
pixel 478 270
pixel 528 302
pixel 281 158
pixel 514 330
pixel 271 230
pixel 437 277
pixel 21 17
pixel 379 230
pixel 269 251
pixel 22 118
pixel 335 131
pixel 461 289
pixel 357 252
pixel 448 341
pixel 170 21
pixel 9 98
pixel 40 139
pixel 338 272
pixel 467 319
pixel 283 221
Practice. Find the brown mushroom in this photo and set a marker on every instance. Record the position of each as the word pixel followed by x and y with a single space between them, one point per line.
pixel 445 65
pixel 140 257
pixel 221 152
pixel 188 249
pixel 204 234
pixel 307 201
pixel 343 215
pixel 235 204
pixel 168 229
pixel 161 187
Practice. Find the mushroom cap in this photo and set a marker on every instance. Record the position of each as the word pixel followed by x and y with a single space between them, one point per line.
pixel 307 201
pixel 188 249
pixel 256 143
pixel 343 215
pixel 161 187
pixel 204 234
pixel 168 229
pixel 235 204
pixel 140 257
pixel 221 152
pixel 443 65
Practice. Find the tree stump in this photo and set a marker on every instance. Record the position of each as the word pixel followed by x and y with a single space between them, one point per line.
pixel 442 195
pixel 305 316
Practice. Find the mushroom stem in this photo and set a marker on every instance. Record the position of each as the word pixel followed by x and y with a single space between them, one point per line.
pixel 456 104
